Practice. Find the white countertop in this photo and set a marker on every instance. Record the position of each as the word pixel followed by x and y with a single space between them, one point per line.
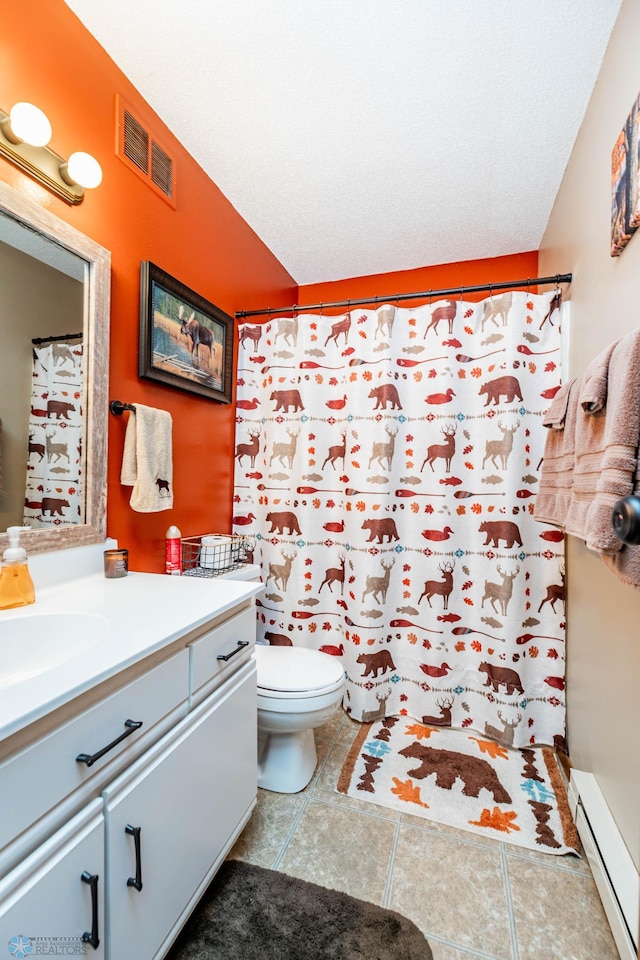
pixel 142 613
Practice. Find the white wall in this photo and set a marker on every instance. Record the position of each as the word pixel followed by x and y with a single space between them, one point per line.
pixel 603 616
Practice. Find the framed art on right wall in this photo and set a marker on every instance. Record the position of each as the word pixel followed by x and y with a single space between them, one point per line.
pixel 625 182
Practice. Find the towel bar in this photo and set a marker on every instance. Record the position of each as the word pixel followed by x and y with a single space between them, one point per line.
pixel 117 407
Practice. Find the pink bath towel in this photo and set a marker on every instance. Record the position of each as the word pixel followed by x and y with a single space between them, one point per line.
pixel 606 450
pixel 556 477
pixel 591 453
pixel 595 382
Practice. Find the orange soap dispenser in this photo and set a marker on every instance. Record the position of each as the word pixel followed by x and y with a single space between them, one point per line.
pixel 16 585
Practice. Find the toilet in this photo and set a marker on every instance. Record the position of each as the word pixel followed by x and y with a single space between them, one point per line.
pixel 298 690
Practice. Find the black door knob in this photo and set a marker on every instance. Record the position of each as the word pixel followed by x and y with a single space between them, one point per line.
pixel 626 520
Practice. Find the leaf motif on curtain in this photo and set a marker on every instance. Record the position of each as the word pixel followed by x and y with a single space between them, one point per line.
pixel 387 462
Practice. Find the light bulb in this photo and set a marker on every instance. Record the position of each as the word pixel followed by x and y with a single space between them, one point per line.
pixel 84 170
pixel 30 124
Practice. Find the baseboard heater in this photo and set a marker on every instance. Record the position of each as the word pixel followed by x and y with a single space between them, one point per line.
pixel 613 869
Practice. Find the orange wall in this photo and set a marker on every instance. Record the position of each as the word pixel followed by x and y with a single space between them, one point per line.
pixel 443 276
pixel 47 57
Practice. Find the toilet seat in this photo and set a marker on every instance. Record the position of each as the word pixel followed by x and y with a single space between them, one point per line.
pixel 288 673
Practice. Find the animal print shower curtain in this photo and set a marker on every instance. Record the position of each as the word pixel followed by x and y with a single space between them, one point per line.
pixel 387 463
pixel 54 485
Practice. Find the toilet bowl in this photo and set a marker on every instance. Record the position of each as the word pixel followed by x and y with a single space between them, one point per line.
pixel 298 690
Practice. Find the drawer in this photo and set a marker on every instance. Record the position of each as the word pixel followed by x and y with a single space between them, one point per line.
pixel 42 776
pixel 224 641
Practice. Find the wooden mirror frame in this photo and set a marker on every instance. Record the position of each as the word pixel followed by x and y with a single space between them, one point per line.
pixel 97 287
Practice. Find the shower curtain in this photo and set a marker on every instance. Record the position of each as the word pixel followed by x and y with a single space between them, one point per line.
pixel 387 463
pixel 54 486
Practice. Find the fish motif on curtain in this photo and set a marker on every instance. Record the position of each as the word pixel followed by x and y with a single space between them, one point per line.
pixel 54 492
pixel 387 463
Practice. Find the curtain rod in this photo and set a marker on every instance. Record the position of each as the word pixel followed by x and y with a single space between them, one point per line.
pixel 60 336
pixel 394 298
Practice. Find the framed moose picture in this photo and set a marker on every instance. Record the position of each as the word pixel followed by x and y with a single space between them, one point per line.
pixel 185 341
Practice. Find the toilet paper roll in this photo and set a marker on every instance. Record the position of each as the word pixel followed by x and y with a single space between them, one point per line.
pixel 217 552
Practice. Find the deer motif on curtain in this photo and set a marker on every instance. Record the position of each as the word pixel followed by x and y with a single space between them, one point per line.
pixel 387 464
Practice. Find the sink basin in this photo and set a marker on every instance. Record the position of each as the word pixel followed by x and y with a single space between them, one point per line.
pixel 32 645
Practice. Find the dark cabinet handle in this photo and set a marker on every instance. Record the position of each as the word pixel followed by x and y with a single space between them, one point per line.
pixel 92 938
pixel 137 880
pixel 90 758
pixel 240 646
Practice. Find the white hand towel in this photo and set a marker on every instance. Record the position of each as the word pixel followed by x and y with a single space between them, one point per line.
pixel 147 461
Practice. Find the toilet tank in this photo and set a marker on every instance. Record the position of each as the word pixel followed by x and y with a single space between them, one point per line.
pixel 250 572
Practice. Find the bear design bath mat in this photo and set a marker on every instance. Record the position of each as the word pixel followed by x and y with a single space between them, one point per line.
pixel 459 778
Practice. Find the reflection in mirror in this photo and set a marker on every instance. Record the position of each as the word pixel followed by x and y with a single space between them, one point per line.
pixel 42 380
pixel 53 377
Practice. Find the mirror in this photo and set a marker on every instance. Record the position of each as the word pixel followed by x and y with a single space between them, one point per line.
pixel 76 271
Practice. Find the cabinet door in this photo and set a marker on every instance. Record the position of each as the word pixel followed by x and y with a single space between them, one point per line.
pixel 179 806
pixel 53 902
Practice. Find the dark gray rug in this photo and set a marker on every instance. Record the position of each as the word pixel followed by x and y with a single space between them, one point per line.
pixel 249 913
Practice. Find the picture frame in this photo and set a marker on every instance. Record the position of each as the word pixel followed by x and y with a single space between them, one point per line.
pixel 185 341
pixel 634 217
pixel 625 183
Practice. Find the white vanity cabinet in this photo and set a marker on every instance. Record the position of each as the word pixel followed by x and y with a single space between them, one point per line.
pixel 111 856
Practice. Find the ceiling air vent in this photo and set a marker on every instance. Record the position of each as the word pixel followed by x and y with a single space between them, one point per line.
pixel 139 148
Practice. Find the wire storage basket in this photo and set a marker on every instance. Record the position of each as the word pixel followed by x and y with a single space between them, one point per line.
pixel 211 554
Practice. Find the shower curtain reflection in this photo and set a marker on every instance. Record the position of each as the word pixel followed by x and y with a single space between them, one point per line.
pixel 54 484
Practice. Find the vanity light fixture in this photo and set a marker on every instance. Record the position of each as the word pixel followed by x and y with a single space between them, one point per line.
pixel 24 135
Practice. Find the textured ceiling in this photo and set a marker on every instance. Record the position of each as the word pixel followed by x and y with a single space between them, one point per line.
pixel 364 136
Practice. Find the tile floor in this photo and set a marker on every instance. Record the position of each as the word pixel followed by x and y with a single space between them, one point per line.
pixel 472 897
